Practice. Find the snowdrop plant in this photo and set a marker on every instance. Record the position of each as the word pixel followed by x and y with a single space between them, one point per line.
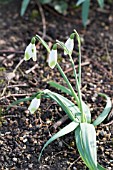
pixel 77 111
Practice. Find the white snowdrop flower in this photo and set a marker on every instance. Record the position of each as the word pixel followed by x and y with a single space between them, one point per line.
pixel 30 51
pixel 46 91
pixel 69 45
pixel 52 60
pixel 34 105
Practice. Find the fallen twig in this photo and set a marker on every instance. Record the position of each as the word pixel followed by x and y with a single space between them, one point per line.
pixel 43 18
pixel 17 85
pixel 15 95
pixel 60 122
pixel 31 69
pixel 82 64
pixel 11 51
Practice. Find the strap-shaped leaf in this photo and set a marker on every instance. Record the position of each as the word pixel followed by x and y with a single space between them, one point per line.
pixel 87 112
pixel 85 11
pixel 60 87
pixel 101 3
pixel 105 112
pixel 100 167
pixel 67 91
pixel 69 108
pixel 45 1
pixel 22 100
pixel 67 129
pixel 24 6
pixel 80 146
pixel 79 2
pixel 88 142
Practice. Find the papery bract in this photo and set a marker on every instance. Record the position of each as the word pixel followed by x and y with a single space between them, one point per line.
pixel 34 105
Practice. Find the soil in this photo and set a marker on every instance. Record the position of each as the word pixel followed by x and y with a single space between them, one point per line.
pixel 22 135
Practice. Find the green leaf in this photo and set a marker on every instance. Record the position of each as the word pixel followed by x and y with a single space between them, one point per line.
pixel 105 112
pixel 43 43
pixel 67 91
pixel 67 129
pixel 100 167
pixel 24 6
pixel 85 11
pixel 68 107
pixel 80 146
pixel 87 144
pixel 22 100
pixel 60 6
pixel 45 1
pixel 79 2
pixel 60 87
pixel 86 110
pixel 101 3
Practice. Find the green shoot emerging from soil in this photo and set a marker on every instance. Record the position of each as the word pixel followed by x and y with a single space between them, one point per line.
pixel 79 113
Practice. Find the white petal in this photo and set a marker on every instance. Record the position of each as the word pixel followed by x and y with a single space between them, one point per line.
pixel 34 105
pixel 34 57
pixel 70 45
pixel 52 60
pixel 30 52
pixel 46 91
pixel 27 55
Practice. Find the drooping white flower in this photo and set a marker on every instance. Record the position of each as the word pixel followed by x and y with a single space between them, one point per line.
pixel 52 60
pixel 46 91
pixel 30 52
pixel 34 105
pixel 69 45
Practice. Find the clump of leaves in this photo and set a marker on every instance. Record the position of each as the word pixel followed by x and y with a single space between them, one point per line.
pixel 79 113
pixel 61 6
pixel 85 9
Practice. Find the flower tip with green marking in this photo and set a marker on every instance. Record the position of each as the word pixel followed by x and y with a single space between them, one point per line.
pixel 30 51
pixel 69 44
pixel 52 60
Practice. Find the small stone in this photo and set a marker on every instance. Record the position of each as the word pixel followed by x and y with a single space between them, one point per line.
pixel 15 159
pixel 21 138
pixel 107 153
pixel 30 165
pixel 25 140
pixel 111 156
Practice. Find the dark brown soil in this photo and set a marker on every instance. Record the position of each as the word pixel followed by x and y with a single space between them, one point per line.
pixel 22 135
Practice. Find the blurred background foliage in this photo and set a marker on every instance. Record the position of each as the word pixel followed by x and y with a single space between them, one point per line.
pixel 61 6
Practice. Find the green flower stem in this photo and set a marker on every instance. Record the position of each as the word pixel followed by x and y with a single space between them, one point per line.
pixel 68 83
pixel 79 48
pixel 79 69
pixel 79 91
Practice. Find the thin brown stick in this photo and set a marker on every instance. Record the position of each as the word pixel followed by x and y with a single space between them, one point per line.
pixel 17 85
pixel 12 51
pixel 31 69
pixel 109 123
pixel 61 16
pixel 43 18
pixel 21 61
pixel 60 122
pixel 15 95
pixel 83 64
